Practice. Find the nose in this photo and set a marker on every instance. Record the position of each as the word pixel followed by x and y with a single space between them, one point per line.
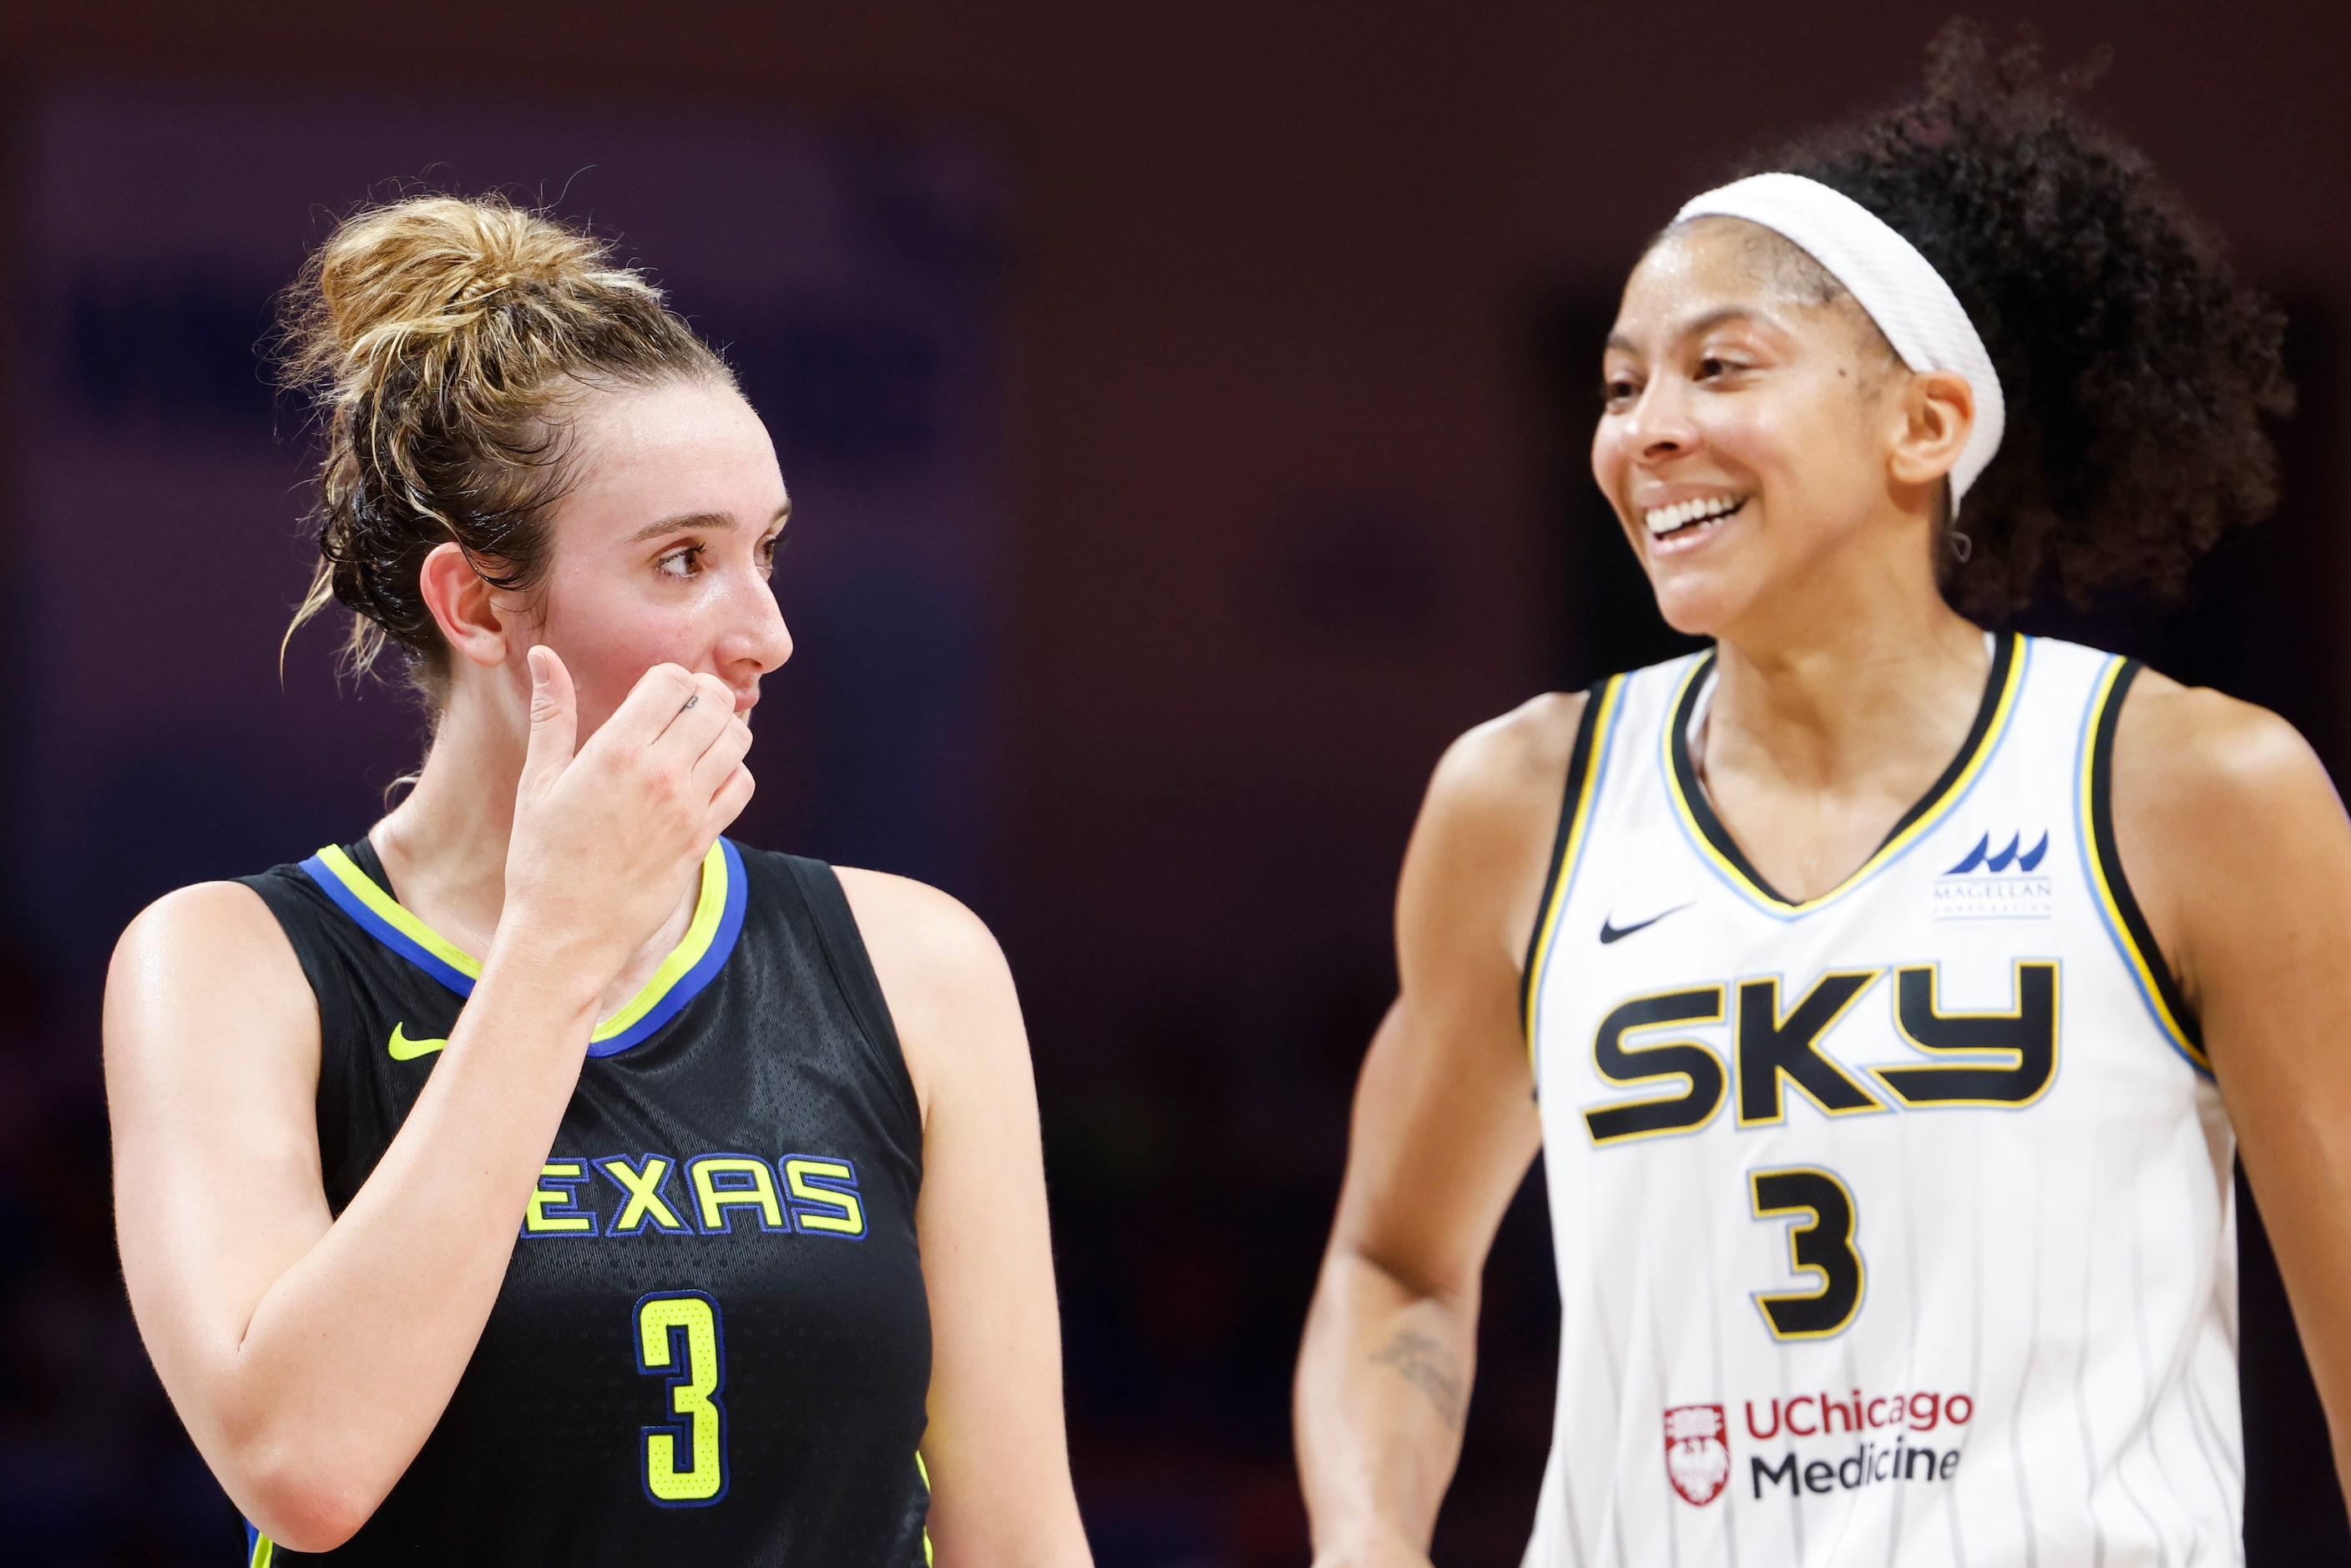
pixel 758 642
pixel 1659 425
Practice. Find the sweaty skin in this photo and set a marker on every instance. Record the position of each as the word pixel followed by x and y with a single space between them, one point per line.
pixel 1846 684
pixel 589 752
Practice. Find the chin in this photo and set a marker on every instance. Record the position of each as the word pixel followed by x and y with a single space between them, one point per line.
pixel 1698 609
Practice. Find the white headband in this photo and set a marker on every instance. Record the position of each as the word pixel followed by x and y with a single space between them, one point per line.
pixel 1900 289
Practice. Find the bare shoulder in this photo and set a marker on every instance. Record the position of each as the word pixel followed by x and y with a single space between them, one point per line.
pixel 206 911
pixel 947 986
pixel 200 968
pixel 2182 753
pixel 1473 873
pixel 1509 766
pixel 2227 825
pixel 1496 794
pixel 213 940
pixel 928 937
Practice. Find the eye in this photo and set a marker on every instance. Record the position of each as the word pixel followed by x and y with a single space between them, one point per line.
pixel 1618 390
pixel 682 562
pixel 1721 363
pixel 769 548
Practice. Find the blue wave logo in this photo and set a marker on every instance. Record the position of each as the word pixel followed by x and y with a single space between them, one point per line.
pixel 1980 858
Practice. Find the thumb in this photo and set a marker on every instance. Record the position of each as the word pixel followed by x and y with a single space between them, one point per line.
pixel 554 715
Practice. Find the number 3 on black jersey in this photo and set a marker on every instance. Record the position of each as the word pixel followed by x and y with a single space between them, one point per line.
pixel 1824 1248
pixel 677 1337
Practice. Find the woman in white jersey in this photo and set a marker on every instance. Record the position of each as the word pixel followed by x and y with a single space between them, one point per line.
pixel 1891 996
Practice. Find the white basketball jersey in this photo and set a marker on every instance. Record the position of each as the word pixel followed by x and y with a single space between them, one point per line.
pixel 1895 1225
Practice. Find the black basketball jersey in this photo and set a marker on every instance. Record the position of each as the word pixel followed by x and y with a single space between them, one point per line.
pixel 713 1344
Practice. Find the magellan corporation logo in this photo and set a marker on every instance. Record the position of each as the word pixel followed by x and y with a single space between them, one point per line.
pixel 2007 884
pixel 1698 1458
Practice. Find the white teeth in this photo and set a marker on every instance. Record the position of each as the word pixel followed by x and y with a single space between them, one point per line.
pixel 1681 514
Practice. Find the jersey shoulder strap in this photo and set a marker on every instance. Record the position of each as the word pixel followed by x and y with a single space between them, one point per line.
pixel 336 958
pixel 808 896
pixel 1605 705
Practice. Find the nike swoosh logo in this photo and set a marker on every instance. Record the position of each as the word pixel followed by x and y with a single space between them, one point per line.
pixel 404 1049
pixel 1615 932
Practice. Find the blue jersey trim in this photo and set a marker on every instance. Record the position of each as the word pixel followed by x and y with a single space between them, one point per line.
pixel 706 968
pixel 384 931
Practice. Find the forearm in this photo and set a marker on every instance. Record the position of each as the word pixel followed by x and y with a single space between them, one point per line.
pixel 2301 1207
pixel 351 1354
pixel 1384 1382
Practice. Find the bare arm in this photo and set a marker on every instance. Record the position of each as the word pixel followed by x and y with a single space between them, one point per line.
pixel 2237 846
pixel 1444 1129
pixel 308 1354
pixel 997 1450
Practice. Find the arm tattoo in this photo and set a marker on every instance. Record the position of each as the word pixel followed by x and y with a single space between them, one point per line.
pixel 1429 1367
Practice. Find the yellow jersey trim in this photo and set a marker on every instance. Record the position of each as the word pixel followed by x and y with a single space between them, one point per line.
pixel 708 909
pixel 403 930
pixel 394 913
pixel 2133 938
pixel 1586 766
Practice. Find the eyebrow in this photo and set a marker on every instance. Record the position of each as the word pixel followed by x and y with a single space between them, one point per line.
pixel 718 521
pixel 1691 329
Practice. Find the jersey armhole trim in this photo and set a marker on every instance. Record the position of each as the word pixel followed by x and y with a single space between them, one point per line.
pixel 2125 922
pixel 1585 764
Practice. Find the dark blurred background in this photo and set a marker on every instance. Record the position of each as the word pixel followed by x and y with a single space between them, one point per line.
pixel 1185 411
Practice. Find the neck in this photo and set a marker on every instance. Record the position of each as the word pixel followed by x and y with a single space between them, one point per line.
pixel 445 846
pixel 1830 687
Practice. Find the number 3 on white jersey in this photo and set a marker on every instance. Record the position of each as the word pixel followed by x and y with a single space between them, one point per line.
pixel 1823 1247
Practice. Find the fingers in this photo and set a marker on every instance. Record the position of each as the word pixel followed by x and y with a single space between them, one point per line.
pixel 722 757
pixel 701 717
pixel 729 802
pixel 680 725
pixel 554 715
pixel 659 697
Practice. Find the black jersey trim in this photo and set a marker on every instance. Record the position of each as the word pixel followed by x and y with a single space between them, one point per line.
pixel 852 964
pixel 2125 922
pixel 1586 762
pixel 2002 683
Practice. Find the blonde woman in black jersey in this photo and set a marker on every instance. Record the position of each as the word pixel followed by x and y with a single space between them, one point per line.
pixel 540 1177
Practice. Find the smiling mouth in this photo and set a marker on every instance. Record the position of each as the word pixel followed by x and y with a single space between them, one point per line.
pixel 1690 516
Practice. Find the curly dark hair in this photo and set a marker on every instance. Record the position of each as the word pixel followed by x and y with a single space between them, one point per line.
pixel 2135 364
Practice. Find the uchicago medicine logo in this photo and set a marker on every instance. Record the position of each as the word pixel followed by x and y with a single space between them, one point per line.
pixel 1697 1455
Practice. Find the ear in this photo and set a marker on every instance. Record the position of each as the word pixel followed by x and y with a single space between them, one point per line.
pixel 478 626
pixel 1939 414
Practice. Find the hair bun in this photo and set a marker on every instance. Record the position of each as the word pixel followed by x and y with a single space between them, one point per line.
pixel 394 279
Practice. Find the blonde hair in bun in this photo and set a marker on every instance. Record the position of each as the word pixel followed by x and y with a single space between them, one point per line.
pixel 441 340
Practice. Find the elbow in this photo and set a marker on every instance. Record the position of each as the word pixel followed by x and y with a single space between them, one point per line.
pixel 1411 1272
pixel 301 1504
pixel 306 1477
